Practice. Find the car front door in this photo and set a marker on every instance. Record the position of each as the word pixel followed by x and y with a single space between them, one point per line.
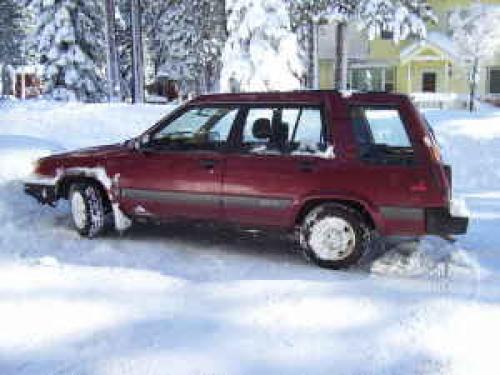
pixel 178 172
pixel 276 163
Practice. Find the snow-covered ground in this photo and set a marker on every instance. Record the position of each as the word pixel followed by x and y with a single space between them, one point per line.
pixel 203 300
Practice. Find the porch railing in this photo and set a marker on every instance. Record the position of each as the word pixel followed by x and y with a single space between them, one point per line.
pixel 439 100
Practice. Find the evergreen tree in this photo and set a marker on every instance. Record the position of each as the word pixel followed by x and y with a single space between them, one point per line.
pixel 70 41
pixel 176 47
pixel 12 32
pixel 185 40
pixel 124 46
pixel 213 35
pixel 261 52
pixel 401 17
pixel 113 68
pixel 13 21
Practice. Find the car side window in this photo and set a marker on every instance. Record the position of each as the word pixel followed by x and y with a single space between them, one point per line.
pixel 282 130
pixel 381 132
pixel 196 128
pixel 308 132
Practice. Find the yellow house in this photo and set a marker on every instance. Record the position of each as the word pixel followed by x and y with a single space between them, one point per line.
pixel 428 69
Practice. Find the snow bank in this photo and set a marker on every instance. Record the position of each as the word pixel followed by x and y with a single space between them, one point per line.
pixel 74 125
pixel 470 143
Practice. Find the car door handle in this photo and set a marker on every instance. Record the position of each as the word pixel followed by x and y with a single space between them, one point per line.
pixel 307 166
pixel 208 163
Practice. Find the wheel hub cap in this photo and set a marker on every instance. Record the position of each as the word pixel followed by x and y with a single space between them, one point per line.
pixel 332 239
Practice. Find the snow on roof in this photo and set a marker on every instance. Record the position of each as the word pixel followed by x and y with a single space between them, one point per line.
pixel 433 39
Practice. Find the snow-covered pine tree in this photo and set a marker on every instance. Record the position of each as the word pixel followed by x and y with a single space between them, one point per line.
pixel 12 38
pixel 124 46
pixel 401 17
pixel 261 52
pixel 185 40
pixel 70 41
pixel 212 35
pixel 476 34
pixel 175 45
pixel 12 32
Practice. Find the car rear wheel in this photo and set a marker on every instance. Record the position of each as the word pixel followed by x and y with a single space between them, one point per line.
pixel 90 209
pixel 334 236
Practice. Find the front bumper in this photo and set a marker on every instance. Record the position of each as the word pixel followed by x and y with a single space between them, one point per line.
pixel 441 222
pixel 43 190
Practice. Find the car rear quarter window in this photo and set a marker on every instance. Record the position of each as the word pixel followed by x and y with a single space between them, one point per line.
pixel 381 133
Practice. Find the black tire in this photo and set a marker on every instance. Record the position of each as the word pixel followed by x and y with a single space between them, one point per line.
pixel 90 209
pixel 349 237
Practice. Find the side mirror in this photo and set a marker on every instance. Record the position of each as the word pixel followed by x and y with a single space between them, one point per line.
pixel 213 137
pixel 139 143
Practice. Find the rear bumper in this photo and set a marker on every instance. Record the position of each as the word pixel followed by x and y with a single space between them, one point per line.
pixel 43 191
pixel 439 221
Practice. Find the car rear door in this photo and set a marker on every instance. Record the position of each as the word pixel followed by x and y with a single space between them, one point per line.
pixel 179 172
pixel 391 166
pixel 269 174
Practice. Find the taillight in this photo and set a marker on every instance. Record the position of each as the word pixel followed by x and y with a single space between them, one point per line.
pixel 434 149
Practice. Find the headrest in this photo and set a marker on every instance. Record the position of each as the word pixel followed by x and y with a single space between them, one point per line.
pixel 262 129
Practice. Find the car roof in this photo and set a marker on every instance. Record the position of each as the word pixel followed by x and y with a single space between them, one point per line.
pixel 300 96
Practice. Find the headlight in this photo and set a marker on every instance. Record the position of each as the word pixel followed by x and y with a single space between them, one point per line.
pixel 35 165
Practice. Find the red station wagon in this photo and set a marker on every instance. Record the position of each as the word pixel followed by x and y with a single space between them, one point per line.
pixel 335 168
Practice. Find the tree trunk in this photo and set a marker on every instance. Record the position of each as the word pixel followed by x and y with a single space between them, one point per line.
pixel 311 55
pixel 315 78
pixel 8 80
pixel 473 84
pixel 137 53
pixel 113 63
pixel 341 57
pixel 221 24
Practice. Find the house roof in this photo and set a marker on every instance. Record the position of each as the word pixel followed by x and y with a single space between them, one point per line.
pixel 435 45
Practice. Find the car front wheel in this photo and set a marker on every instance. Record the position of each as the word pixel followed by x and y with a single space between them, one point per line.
pixel 90 209
pixel 334 236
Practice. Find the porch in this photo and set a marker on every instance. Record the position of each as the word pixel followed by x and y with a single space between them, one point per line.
pixel 429 74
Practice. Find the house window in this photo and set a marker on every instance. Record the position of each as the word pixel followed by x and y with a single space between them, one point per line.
pixel 373 79
pixel 429 80
pixel 387 35
pixel 390 80
pixel 494 80
pixel 367 79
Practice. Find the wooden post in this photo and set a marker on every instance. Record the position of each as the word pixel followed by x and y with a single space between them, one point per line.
pixel 23 85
